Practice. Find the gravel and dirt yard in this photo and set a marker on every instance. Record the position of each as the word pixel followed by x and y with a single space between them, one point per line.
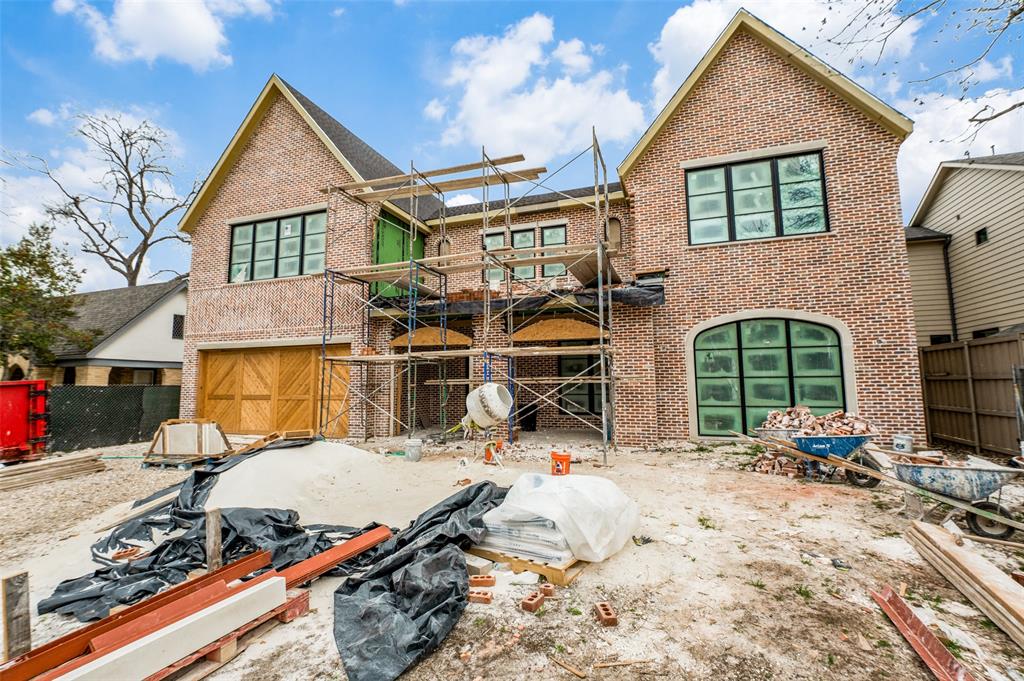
pixel 748 576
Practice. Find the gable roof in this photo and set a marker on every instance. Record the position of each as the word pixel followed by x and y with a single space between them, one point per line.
pixel 874 108
pixel 1013 161
pixel 915 233
pixel 107 312
pixel 359 159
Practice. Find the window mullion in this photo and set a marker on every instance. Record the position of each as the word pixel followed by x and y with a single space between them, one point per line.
pixel 730 215
pixel 739 371
pixel 302 245
pixel 776 196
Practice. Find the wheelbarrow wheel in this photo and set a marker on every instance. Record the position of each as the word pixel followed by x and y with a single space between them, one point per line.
pixel 860 479
pixel 985 527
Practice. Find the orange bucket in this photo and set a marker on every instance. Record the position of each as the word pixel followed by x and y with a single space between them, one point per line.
pixel 560 463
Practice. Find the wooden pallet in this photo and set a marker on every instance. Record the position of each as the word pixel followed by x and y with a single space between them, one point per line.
pixel 560 575
pixel 182 462
pixel 213 656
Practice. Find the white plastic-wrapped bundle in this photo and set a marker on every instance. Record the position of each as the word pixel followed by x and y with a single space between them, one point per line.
pixel 591 514
pixel 534 538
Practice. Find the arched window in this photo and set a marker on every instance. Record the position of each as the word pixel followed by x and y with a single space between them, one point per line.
pixel 747 368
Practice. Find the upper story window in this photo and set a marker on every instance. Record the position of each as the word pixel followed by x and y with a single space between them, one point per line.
pixel 553 236
pixel 981 236
pixel 494 241
pixel 524 238
pixel 755 200
pixel 178 326
pixel 285 247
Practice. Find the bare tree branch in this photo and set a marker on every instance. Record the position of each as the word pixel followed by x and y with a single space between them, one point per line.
pixel 136 191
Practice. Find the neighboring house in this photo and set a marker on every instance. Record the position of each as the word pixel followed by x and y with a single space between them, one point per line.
pixel 966 248
pixel 139 337
pixel 759 240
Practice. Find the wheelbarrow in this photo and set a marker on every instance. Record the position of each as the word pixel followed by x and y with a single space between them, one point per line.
pixel 974 483
pixel 844 447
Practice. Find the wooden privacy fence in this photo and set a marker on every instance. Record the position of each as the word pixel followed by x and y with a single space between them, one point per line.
pixel 972 391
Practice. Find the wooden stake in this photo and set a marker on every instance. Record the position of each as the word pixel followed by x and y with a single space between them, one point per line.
pixel 17 618
pixel 213 554
pixel 568 667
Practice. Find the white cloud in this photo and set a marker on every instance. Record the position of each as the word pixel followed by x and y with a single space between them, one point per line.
pixel 435 109
pixel 986 71
pixel 42 117
pixel 572 56
pixel 24 195
pixel 692 29
pixel 461 200
pixel 337 12
pixel 507 102
pixel 189 32
pixel 941 133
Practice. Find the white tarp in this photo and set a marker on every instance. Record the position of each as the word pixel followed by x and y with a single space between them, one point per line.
pixel 593 514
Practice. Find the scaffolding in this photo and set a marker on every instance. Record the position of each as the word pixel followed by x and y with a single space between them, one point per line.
pixel 509 302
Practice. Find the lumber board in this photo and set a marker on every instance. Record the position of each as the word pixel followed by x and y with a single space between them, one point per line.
pixel 974 593
pixel 995 581
pixel 6 485
pixel 212 536
pixel 496 178
pixel 14 594
pixel 561 575
pixel 45 463
pixel 436 172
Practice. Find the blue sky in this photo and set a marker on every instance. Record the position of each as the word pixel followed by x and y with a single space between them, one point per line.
pixel 431 81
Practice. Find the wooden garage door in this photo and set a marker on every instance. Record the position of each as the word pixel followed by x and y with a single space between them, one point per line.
pixel 260 390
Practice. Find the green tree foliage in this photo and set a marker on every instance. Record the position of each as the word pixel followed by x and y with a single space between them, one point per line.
pixel 37 277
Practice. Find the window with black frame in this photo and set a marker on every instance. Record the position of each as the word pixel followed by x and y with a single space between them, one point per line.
pixel 277 248
pixel 553 236
pixel 583 399
pixel 767 198
pixel 746 369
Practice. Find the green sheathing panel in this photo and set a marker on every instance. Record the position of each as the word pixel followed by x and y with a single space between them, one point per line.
pixel 391 243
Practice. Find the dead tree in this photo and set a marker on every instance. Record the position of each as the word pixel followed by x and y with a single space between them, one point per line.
pixel 132 208
pixel 873 25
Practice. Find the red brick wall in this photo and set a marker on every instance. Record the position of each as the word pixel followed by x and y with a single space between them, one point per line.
pixel 282 165
pixel 749 99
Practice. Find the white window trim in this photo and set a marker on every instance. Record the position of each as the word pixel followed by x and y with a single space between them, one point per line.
pixel 784 150
pixel 840 327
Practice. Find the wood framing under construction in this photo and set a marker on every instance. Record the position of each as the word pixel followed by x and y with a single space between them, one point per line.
pixel 437 172
pixel 405 192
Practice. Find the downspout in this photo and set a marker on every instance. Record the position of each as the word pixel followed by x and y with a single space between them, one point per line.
pixel 949 287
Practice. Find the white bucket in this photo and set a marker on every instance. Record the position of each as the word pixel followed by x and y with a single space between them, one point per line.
pixel 903 443
pixel 489 404
pixel 413 449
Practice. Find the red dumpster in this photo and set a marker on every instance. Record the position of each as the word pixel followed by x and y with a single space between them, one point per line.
pixel 23 419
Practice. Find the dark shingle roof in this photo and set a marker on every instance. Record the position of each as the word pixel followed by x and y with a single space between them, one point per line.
pixel 367 161
pixel 530 200
pixel 1013 159
pixel 915 233
pixel 109 311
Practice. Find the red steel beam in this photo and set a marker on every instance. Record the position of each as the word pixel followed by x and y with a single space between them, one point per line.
pixel 70 646
pixel 944 666
pixel 311 568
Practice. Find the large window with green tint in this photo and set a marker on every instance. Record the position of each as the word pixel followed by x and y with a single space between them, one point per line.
pixel 746 369
pixel 772 197
pixel 285 247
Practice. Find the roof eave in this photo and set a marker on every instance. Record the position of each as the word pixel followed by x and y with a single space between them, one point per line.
pixel 875 109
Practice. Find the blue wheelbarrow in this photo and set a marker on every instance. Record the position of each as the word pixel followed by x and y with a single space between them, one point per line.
pixel 849 447
pixel 974 483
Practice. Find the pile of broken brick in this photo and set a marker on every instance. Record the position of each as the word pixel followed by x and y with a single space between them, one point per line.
pixel 801 420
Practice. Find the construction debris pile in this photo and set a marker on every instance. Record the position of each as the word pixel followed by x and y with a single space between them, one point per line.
pixel 772 462
pixel 801 420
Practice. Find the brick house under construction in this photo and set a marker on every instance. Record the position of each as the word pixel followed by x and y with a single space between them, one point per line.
pixel 752 257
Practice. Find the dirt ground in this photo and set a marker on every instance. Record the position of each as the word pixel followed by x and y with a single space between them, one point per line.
pixel 738 582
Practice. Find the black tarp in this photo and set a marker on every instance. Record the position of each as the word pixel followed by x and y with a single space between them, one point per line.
pixel 243 531
pixel 414 591
pixel 410 593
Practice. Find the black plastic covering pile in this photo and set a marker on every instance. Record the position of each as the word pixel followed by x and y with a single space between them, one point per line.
pixel 400 601
pixel 414 589
pixel 244 530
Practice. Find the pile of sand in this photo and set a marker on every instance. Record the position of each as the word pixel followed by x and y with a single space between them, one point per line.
pixel 334 483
